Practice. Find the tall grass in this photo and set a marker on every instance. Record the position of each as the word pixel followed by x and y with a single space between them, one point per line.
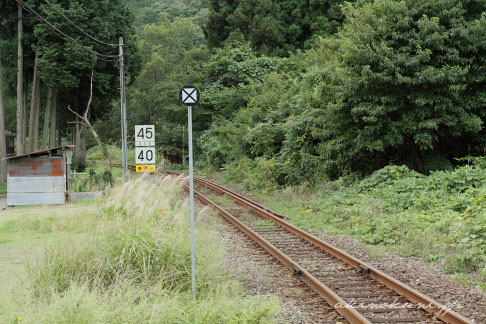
pixel 134 266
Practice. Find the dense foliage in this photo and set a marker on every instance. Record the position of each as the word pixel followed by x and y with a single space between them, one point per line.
pixel 272 27
pixel 401 82
pixel 441 217
pixel 172 54
pixel 65 66
pixel 65 56
pixel 402 79
pixel 149 11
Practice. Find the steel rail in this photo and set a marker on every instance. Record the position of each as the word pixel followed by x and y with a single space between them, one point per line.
pixel 428 304
pixel 235 196
pixel 341 306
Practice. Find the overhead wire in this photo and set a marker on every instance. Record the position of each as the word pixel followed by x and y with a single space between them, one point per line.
pixel 64 35
pixel 77 27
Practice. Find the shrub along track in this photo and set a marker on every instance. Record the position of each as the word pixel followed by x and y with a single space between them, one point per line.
pixel 357 291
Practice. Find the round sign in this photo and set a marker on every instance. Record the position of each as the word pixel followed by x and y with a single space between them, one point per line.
pixel 189 95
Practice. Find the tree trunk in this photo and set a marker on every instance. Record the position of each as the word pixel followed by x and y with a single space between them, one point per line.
pixel 100 144
pixel 20 82
pixel 59 138
pixel 85 121
pixel 77 139
pixel 82 148
pixel 47 118
pixel 3 148
pixel 52 136
pixel 415 156
pixel 33 108
pixel 37 114
pixel 24 118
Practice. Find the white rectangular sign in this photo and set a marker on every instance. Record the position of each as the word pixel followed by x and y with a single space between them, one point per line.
pixel 144 135
pixel 145 155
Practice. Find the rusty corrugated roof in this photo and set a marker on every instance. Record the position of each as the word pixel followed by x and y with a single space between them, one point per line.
pixel 48 151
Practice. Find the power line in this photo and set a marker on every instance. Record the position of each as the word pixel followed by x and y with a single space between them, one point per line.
pixel 77 27
pixel 57 30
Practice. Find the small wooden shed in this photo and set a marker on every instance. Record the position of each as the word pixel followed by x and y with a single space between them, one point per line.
pixel 40 178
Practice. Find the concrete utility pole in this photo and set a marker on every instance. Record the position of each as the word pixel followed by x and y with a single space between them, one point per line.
pixel 123 104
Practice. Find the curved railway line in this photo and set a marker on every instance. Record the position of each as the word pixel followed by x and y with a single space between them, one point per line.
pixel 359 292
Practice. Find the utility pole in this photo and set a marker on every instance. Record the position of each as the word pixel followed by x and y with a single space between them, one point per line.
pixel 123 104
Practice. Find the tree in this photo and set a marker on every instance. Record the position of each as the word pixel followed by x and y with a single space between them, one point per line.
pixel 401 79
pixel 173 53
pixel 47 119
pixel 34 110
pixel 65 66
pixel 148 12
pixel 273 27
pixel 3 148
pixel 84 121
pixel 20 83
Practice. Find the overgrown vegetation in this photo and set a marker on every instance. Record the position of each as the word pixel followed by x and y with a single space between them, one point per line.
pixel 400 82
pixel 441 217
pixel 130 263
pixel 302 92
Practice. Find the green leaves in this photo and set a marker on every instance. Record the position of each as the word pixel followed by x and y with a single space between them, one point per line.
pixel 272 27
pixel 398 80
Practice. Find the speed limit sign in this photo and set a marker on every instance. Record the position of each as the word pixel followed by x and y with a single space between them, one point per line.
pixel 144 135
pixel 145 148
pixel 145 155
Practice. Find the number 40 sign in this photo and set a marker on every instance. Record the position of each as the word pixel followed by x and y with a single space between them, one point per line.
pixel 145 148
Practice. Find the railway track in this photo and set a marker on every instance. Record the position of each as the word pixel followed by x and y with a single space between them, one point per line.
pixel 357 291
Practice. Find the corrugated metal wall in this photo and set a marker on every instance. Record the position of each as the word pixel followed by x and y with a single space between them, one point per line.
pixel 37 180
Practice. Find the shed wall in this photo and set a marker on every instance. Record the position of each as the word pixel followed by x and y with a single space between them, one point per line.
pixel 37 180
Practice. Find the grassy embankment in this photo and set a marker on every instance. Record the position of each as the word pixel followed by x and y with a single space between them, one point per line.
pixel 123 259
pixel 440 217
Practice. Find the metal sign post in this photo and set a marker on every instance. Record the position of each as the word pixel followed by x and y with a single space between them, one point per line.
pixel 189 96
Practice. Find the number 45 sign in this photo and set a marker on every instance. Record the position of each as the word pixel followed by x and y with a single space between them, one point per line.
pixel 145 148
pixel 144 135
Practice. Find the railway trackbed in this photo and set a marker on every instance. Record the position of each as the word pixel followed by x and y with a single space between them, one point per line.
pixel 357 291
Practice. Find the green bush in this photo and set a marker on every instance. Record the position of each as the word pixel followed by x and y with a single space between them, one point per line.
pixel 79 165
pixel 441 216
